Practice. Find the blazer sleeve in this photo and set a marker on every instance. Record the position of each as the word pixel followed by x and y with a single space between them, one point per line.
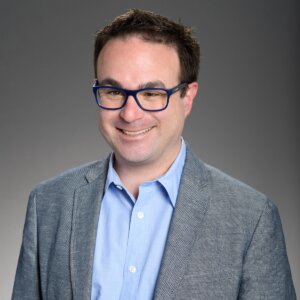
pixel 27 279
pixel 266 270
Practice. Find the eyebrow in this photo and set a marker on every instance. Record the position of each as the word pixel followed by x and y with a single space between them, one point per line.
pixel 149 84
pixel 110 81
pixel 152 84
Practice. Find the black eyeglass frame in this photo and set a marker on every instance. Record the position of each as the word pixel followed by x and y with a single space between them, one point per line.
pixel 133 93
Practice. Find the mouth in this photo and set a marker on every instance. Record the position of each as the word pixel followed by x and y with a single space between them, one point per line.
pixel 137 132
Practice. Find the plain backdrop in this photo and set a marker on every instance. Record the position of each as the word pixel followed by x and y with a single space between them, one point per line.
pixel 245 120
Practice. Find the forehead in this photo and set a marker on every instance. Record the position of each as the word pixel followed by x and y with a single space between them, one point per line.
pixel 132 38
pixel 133 58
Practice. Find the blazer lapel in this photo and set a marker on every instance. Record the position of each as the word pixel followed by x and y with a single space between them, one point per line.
pixel 190 209
pixel 86 211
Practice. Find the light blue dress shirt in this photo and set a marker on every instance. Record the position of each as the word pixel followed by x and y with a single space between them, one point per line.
pixel 132 233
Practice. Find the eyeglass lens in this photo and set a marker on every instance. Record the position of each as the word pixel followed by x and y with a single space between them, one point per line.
pixel 148 99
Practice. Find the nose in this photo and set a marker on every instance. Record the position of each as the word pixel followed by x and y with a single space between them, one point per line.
pixel 131 111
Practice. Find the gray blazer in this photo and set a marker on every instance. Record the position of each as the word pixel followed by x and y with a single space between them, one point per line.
pixel 225 239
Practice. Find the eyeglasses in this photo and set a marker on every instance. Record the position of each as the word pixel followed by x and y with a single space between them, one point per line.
pixel 148 99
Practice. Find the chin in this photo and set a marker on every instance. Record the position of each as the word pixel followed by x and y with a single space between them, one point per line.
pixel 135 158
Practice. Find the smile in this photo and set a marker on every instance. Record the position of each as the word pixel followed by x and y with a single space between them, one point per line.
pixel 135 133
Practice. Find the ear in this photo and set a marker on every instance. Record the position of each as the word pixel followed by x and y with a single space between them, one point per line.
pixel 189 97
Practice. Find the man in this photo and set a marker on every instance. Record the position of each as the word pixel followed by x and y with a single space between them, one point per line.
pixel 152 220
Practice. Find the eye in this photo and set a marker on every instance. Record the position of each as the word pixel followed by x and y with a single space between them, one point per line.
pixel 152 93
pixel 113 92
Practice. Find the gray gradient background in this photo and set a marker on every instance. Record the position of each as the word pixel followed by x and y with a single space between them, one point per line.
pixel 245 119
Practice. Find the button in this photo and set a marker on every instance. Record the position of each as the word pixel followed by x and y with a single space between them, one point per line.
pixel 119 187
pixel 132 269
pixel 140 215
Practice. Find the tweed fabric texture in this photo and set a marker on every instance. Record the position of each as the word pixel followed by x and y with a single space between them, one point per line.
pixel 225 240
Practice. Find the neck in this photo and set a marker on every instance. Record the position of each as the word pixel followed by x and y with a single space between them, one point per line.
pixel 133 175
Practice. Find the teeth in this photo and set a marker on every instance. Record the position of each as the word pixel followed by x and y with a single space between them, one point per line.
pixel 134 133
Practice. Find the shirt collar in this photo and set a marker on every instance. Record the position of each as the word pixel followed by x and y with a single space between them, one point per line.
pixel 112 176
pixel 170 180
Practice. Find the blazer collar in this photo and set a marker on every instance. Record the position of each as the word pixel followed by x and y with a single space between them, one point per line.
pixel 86 209
pixel 191 206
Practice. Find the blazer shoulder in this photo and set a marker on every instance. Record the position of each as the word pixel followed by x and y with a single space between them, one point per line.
pixel 232 205
pixel 72 178
pixel 228 196
pixel 240 198
pixel 224 182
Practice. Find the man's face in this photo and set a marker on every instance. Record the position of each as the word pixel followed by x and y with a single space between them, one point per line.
pixel 138 137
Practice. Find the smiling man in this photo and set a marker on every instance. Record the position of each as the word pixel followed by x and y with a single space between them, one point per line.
pixel 145 143
pixel 152 220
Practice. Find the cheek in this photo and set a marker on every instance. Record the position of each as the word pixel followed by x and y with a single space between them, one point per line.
pixel 179 113
pixel 102 121
pixel 173 121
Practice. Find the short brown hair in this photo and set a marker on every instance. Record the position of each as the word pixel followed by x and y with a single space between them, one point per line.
pixel 156 28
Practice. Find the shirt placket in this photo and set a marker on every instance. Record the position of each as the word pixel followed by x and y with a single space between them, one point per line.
pixel 134 254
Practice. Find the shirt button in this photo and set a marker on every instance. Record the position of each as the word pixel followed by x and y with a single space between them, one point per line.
pixel 119 187
pixel 140 215
pixel 132 269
